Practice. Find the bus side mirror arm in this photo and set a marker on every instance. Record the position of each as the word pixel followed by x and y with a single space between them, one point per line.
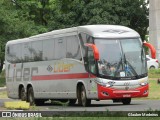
pixel 95 50
pixel 152 49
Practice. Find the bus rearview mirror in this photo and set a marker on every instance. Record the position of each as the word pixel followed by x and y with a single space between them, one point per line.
pixel 152 49
pixel 95 50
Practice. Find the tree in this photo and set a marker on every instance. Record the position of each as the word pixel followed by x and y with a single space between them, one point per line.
pixel 37 10
pixel 14 25
pixel 137 14
pixel 133 14
pixel 21 18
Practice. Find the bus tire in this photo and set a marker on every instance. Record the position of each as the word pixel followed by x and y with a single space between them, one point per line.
pixel 22 94
pixel 30 96
pixel 79 95
pixel 84 100
pixel 126 101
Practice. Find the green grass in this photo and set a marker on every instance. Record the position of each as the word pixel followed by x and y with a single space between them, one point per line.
pixel 3 94
pixel 154 87
pixel 154 73
pixel 2 79
pixel 2 82
pixel 154 90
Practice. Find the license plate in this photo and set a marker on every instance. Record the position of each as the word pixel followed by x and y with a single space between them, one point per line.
pixel 127 95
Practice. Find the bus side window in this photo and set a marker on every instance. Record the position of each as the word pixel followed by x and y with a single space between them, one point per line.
pixel 14 53
pixel 84 38
pixel 91 62
pixel 8 54
pixel 48 49
pixel 8 50
pixel 36 51
pixel 26 52
pixel 73 47
pixel 60 48
pixel 18 53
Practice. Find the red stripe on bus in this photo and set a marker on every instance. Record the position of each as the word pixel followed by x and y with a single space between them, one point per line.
pixel 61 76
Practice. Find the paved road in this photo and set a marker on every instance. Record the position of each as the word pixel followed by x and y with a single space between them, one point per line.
pixel 105 105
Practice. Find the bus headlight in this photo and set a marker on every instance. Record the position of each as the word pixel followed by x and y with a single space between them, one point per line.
pixel 105 84
pixel 102 84
pixel 108 85
pixel 143 83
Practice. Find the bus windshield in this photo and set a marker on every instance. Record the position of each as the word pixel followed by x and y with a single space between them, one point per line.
pixel 121 58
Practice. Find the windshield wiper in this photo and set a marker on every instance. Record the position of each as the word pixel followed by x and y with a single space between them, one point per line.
pixel 127 65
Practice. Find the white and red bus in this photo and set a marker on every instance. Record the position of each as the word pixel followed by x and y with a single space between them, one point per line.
pixel 84 63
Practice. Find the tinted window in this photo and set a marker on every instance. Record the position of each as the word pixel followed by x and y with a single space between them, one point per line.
pixel 60 48
pixel 91 62
pixel 18 51
pixel 10 53
pixel 36 51
pixel 26 52
pixel 84 38
pixel 121 58
pixel 48 49
pixel 14 53
pixel 73 47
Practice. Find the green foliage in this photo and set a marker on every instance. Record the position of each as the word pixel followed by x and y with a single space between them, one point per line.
pixel 23 18
pixel 2 82
pixel 154 73
pixel 2 79
pixel 14 24
pixel 129 13
pixel 154 89
pixel 35 10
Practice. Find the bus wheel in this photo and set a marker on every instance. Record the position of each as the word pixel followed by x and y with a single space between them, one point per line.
pixel 126 101
pixel 22 94
pixel 30 96
pixel 72 101
pixel 85 101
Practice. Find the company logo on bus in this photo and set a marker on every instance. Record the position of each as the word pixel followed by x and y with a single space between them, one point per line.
pixel 126 83
pixel 60 67
pixel 49 68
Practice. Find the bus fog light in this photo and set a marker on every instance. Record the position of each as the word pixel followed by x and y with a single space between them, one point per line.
pixel 145 92
pixel 105 93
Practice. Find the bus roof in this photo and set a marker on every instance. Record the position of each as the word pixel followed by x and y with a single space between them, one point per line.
pixel 98 31
pixel 108 31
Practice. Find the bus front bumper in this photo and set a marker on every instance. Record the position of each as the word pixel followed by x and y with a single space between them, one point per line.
pixel 110 93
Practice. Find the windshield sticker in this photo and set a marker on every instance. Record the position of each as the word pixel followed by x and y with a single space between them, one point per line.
pixel 122 74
